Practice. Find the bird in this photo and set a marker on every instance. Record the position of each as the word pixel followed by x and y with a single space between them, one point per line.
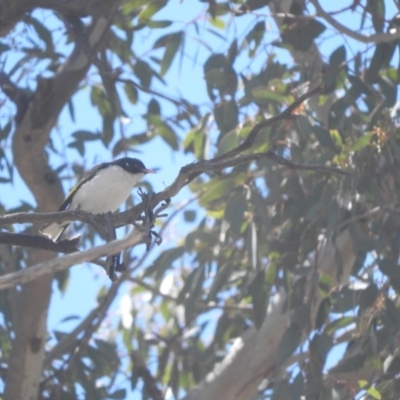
pixel 101 190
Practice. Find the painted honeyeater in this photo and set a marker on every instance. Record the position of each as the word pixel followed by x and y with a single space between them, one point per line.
pixel 103 189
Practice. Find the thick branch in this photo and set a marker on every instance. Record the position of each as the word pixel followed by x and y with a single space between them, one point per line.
pixel 39 242
pixel 59 264
pixel 284 115
pixel 257 350
pixel 11 12
pixel 186 175
pixel 182 179
pixel 31 135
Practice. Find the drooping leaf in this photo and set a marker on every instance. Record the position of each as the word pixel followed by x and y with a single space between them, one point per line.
pixel 259 298
pixel 300 35
pixel 152 8
pixel 377 10
pixel 289 343
pixel 323 312
pixel 324 137
pixel 234 212
pixel 368 296
pixel 43 33
pixel 131 92
pixel 174 42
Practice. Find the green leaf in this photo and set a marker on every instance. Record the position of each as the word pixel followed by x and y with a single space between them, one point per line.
pixel 108 129
pixel 219 281
pixel 168 135
pixel 335 76
pixel 382 55
pixel 144 72
pixel 338 57
pixel 324 137
pixel 300 36
pixel 254 37
pixel 368 296
pixel 361 143
pixel 264 93
pixel 164 262
pixel 389 90
pixel 219 74
pixel 234 212
pixel 389 267
pixel 289 343
pixel 344 299
pixel 191 292
pixel 199 237
pixel 4 132
pixel 332 327
pixel 62 278
pixel 374 393
pixel 152 8
pixel 377 10
pixel 226 116
pixel 131 92
pixel 320 346
pixel 323 312
pixel 259 298
pixel 173 44
pixel 189 215
pixel 154 108
pixel 217 23
pixel 216 189
pixel 159 24
pixel 86 135
pixel 79 146
pixel 4 47
pixel 43 33
pixel 349 364
pixel 131 5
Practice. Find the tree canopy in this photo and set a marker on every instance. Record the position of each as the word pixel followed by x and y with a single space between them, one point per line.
pixel 266 267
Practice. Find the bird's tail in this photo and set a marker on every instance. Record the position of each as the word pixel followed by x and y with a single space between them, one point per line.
pixel 55 230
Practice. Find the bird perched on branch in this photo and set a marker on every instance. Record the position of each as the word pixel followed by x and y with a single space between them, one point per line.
pixel 103 189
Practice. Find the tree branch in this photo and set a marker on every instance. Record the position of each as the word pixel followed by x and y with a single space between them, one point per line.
pixel 186 175
pixel 11 12
pixel 59 264
pixel 39 242
pixel 375 38
pixel 258 349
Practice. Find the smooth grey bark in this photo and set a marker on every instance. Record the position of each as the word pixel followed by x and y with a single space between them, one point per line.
pixel 254 355
pixel 34 124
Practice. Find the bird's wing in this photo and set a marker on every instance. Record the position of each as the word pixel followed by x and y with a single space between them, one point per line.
pixel 86 177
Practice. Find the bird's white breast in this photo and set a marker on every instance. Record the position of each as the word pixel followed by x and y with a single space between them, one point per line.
pixel 109 188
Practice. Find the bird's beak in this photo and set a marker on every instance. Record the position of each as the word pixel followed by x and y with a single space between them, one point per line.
pixel 148 171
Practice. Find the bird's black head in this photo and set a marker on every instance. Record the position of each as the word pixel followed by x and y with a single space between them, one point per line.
pixel 132 165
